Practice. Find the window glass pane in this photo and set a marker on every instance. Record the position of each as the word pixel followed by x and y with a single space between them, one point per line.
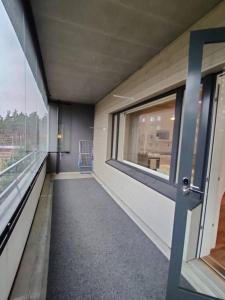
pixel 31 112
pixel 36 116
pixel 122 122
pixel 149 136
pixel 23 122
pixel 200 101
pixel 114 140
pixel 196 134
pixel 12 98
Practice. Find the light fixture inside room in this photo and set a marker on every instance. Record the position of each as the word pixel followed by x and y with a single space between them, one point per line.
pixel 152 119
pixel 172 118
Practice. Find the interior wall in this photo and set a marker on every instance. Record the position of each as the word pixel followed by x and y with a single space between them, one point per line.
pixel 77 121
pixel 162 73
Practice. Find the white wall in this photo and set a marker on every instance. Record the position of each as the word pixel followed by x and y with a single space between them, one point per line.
pixel 162 73
pixel 12 253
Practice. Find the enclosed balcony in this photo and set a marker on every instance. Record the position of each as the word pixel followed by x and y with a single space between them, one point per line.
pixel 112 142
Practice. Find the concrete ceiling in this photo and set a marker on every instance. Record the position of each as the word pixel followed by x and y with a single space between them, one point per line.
pixel 90 46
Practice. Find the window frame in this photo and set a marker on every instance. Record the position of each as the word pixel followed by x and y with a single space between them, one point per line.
pixel 179 92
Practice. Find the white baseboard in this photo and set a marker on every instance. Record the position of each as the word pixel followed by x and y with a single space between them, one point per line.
pixel 71 175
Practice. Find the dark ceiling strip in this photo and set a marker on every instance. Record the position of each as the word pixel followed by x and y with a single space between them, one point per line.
pixel 55 101
pixel 28 13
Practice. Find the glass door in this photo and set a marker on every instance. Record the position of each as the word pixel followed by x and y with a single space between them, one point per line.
pixel 191 188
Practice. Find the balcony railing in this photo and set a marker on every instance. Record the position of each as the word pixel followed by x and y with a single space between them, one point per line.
pixel 11 176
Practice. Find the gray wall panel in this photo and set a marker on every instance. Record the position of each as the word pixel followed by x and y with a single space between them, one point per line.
pixel 77 118
pixel 51 162
pixel 53 127
pixel 81 129
pixel 53 131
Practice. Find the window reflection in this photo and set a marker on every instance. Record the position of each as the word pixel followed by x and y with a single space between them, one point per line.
pixel 149 136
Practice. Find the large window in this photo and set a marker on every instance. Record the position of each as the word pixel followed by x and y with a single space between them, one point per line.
pixel 149 136
pixel 23 121
pixel 146 136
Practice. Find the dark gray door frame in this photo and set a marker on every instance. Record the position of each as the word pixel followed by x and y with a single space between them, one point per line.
pixel 184 200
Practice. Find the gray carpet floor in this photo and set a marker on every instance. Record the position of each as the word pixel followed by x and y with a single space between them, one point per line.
pixel 97 251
